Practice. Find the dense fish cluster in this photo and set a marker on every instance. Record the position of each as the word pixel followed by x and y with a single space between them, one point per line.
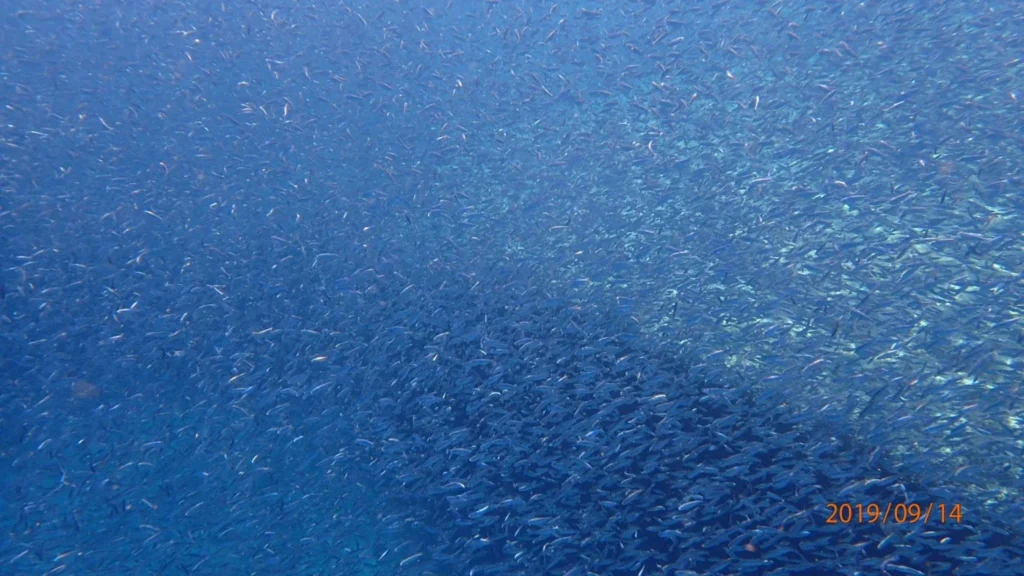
pixel 644 288
pixel 547 441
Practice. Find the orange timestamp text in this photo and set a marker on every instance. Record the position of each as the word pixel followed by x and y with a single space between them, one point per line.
pixel 874 513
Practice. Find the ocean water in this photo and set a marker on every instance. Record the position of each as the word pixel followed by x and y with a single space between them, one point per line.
pixel 512 287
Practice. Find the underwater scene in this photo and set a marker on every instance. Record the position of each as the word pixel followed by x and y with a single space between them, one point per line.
pixel 512 287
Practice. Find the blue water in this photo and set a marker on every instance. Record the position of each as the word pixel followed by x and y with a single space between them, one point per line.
pixel 511 288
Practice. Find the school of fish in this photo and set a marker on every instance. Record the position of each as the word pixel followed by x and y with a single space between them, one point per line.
pixel 514 288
